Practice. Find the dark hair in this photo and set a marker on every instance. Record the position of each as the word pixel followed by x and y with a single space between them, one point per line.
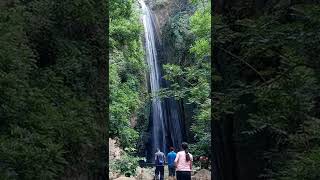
pixel 184 146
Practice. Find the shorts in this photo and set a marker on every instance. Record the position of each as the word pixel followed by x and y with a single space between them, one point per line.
pixel 172 171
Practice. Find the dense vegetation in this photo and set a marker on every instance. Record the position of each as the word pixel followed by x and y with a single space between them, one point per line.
pixel 185 37
pixel 52 88
pixel 188 44
pixel 127 74
pixel 265 79
pixel 267 100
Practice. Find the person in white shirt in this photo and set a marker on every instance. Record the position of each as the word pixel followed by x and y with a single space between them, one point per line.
pixel 183 163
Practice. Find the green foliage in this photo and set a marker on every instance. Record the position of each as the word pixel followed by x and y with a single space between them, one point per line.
pixel 126 165
pixel 127 72
pixel 201 147
pixel 178 37
pixel 190 76
pixel 269 78
pixel 48 57
pixel 120 9
pixel 303 167
pixel 201 22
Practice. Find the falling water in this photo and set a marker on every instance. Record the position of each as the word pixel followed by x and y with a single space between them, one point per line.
pixel 158 128
pixel 166 114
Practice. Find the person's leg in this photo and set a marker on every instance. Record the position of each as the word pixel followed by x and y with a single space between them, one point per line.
pixel 188 175
pixel 184 175
pixel 156 172
pixel 170 173
pixel 178 173
pixel 161 172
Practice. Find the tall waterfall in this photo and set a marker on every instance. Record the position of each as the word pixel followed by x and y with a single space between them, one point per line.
pixel 158 130
pixel 166 117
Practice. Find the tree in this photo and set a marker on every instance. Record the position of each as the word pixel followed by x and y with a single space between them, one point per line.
pixel 51 56
pixel 268 87
pixel 189 72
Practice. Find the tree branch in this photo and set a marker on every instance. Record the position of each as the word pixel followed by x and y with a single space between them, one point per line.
pixel 282 74
pixel 243 61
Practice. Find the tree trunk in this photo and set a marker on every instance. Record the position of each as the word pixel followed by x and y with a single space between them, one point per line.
pixel 224 152
pixel 101 91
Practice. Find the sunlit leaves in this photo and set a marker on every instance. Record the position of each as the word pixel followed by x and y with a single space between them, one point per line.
pixel 201 48
pixel 126 73
pixel 124 31
pixel 120 9
pixel 172 70
pixel 201 22
pixel 126 165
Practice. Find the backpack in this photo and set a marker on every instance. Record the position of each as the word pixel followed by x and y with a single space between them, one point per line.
pixel 159 159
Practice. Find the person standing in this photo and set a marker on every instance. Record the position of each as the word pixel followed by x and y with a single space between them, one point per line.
pixel 183 163
pixel 159 162
pixel 171 157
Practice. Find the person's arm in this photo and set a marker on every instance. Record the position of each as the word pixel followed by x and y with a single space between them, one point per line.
pixel 191 160
pixel 176 160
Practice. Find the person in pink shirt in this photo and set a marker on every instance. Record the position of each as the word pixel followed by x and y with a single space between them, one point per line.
pixel 183 163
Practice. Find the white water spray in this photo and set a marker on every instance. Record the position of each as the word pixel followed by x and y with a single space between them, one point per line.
pixel 158 128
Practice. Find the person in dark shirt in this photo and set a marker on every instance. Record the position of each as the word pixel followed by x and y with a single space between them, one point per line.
pixel 171 157
pixel 159 162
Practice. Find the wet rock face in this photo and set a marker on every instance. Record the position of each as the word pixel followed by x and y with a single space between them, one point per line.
pixel 162 9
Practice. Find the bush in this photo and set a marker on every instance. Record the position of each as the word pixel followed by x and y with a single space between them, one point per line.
pixel 305 166
pixel 127 165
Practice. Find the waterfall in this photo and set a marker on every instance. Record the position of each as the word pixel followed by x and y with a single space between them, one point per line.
pixel 166 120
pixel 158 129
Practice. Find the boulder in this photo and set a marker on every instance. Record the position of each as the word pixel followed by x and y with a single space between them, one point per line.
pixel 113 175
pixel 114 150
pixel 144 174
pixel 202 174
pixel 125 178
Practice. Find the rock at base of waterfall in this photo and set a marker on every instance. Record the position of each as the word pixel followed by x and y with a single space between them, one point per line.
pixel 144 174
pixel 125 178
pixel 113 175
pixel 202 174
